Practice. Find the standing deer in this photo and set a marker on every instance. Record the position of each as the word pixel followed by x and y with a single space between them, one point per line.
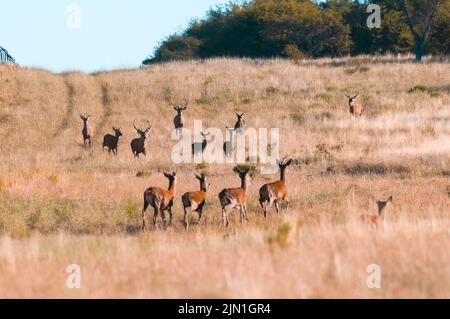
pixel 380 218
pixel 355 107
pixel 195 201
pixel 161 200
pixel 239 126
pixel 275 192
pixel 236 198
pixel 179 121
pixel 228 145
pixel 112 141
pixel 199 147
pixel 88 132
pixel 138 144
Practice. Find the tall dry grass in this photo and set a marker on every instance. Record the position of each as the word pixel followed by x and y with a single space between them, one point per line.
pixel 62 204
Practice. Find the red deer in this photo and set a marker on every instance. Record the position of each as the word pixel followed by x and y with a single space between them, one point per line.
pixel 355 107
pixel 161 200
pixel 179 121
pixel 138 144
pixel 112 141
pixel 275 192
pixel 199 147
pixel 195 201
pixel 380 218
pixel 239 126
pixel 228 145
pixel 88 132
pixel 236 198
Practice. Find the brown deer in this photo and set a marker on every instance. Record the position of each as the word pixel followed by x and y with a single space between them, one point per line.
pixel 236 198
pixel 138 144
pixel 379 219
pixel 195 201
pixel 179 121
pixel 239 126
pixel 355 107
pixel 161 200
pixel 228 145
pixel 275 192
pixel 88 132
pixel 199 147
pixel 112 141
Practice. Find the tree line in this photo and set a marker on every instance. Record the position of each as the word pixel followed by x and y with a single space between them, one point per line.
pixel 299 29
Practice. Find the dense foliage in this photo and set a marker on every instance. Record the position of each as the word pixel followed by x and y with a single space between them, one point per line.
pixel 303 28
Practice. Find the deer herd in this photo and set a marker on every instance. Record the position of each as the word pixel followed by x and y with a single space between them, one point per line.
pixel 162 200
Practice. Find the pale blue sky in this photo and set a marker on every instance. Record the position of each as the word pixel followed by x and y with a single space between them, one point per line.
pixel 112 33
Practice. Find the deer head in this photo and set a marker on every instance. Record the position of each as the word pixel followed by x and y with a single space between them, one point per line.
pixel 143 133
pixel 179 109
pixel 245 176
pixel 382 205
pixel 351 98
pixel 85 118
pixel 117 131
pixel 202 179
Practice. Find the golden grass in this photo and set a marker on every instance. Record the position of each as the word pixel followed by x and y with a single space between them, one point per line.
pixel 62 204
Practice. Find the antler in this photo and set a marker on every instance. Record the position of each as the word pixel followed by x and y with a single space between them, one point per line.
pixel 179 107
pixel 149 126
pixel 356 96
pixel 134 125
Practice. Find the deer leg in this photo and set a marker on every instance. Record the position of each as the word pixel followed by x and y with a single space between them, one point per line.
pixel 225 217
pixel 155 217
pixel 170 217
pixel 287 205
pixel 241 209
pixel 245 212
pixel 186 219
pixel 143 215
pixel 277 207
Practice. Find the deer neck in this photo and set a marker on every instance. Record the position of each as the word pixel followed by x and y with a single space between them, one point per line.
pixel 203 187
pixel 283 175
pixel 172 188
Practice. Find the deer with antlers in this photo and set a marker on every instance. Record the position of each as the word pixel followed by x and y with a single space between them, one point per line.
pixel 276 192
pixel 355 107
pixel 88 131
pixel 239 126
pixel 138 144
pixel 378 220
pixel 199 147
pixel 195 201
pixel 112 141
pixel 179 121
pixel 161 200
pixel 236 198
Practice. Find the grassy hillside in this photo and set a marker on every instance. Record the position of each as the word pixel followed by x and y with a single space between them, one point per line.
pixel 63 204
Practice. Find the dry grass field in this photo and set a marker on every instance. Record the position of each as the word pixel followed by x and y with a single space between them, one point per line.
pixel 62 204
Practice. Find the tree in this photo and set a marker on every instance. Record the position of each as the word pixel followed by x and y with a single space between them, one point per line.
pixel 420 16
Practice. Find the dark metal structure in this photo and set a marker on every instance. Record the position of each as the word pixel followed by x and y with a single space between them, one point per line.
pixel 5 56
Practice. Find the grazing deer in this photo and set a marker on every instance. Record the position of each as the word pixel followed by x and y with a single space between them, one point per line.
pixel 199 147
pixel 195 201
pixel 380 218
pixel 355 107
pixel 88 132
pixel 275 192
pixel 228 145
pixel 161 200
pixel 138 144
pixel 236 198
pixel 112 141
pixel 239 126
pixel 179 121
